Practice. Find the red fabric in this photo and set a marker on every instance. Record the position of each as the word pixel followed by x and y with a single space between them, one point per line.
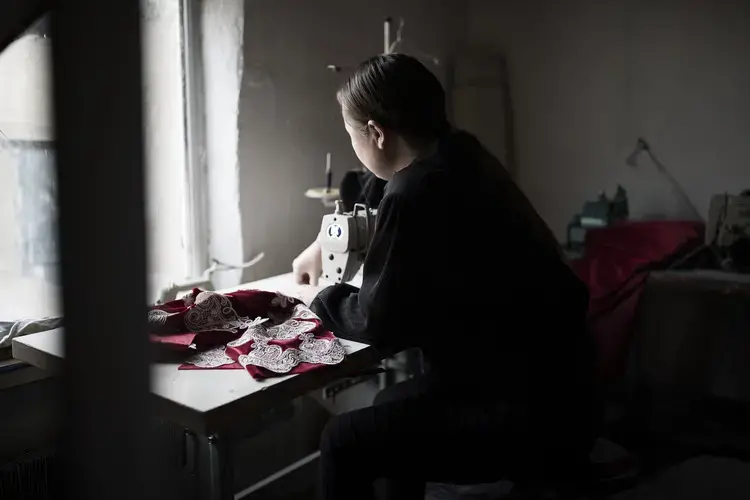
pixel 268 334
pixel 615 266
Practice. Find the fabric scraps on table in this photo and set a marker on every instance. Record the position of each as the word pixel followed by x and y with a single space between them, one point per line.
pixel 266 333
pixel 18 328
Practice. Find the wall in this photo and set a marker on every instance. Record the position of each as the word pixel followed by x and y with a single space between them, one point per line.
pixel 23 73
pixel 289 118
pixel 587 77
pixel 165 142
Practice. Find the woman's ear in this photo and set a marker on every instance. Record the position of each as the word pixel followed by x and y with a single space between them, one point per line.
pixel 377 133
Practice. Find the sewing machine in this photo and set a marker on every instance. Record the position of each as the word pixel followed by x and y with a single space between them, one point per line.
pixel 728 219
pixel 595 214
pixel 344 238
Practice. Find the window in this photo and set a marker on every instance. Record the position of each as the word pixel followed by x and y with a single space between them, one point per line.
pixel 27 187
pixel 28 253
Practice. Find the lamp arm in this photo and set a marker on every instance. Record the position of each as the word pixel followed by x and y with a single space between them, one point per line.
pixel 675 184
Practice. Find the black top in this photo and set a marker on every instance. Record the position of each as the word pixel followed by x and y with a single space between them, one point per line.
pixel 461 266
pixel 361 187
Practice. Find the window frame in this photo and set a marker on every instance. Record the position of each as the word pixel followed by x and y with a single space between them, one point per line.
pixel 196 178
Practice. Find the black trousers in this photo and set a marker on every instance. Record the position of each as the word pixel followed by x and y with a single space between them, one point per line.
pixel 416 433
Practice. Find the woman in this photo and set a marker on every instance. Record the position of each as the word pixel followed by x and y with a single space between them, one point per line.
pixel 462 267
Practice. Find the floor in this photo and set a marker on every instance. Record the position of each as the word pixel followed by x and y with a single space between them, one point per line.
pixel 671 473
pixel 699 478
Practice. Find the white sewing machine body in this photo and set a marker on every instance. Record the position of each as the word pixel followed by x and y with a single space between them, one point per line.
pixel 344 238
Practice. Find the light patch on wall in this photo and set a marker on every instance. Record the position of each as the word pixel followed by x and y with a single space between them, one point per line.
pixel 25 97
pixel 165 146
pixel 222 23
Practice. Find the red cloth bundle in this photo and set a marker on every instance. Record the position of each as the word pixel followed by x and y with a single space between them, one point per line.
pixel 268 334
pixel 615 267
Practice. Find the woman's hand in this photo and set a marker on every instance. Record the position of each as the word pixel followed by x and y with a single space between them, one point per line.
pixel 308 265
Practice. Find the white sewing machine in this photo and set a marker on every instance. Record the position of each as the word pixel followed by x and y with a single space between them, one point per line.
pixel 344 239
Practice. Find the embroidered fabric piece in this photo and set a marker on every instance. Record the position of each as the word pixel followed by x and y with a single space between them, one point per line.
pixel 271 357
pixel 158 317
pixel 216 331
pixel 213 311
pixel 290 329
pixel 301 311
pixel 212 358
pixel 323 351
pixel 278 360
pixel 254 331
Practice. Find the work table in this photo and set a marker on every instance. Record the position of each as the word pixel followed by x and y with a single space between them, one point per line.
pixel 213 403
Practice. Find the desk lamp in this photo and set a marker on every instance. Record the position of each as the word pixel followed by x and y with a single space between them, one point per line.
pixel 632 161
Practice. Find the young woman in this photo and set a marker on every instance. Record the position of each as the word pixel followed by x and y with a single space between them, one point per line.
pixel 462 267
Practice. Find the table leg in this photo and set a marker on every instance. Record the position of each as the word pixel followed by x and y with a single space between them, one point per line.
pixel 215 471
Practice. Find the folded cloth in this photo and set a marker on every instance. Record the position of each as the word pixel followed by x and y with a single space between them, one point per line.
pixel 616 264
pixel 268 334
pixel 12 329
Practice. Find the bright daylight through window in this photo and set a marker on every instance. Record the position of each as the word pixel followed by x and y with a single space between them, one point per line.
pixel 28 252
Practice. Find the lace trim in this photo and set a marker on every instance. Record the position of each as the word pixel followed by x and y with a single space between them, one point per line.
pixel 271 357
pixel 214 312
pixel 158 317
pixel 279 360
pixel 322 351
pixel 301 311
pixel 212 358
pixel 289 330
pixel 253 331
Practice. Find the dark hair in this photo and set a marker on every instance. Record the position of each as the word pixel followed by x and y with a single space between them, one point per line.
pixel 398 92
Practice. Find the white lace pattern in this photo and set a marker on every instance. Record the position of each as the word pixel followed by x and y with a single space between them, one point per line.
pixel 271 357
pixel 214 312
pixel 253 331
pixel 158 317
pixel 321 351
pixel 289 330
pixel 279 360
pixel 212 358
pixel 301 311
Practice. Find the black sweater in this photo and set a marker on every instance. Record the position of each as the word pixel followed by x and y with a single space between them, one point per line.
pixel 462 267
pixel 361 187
